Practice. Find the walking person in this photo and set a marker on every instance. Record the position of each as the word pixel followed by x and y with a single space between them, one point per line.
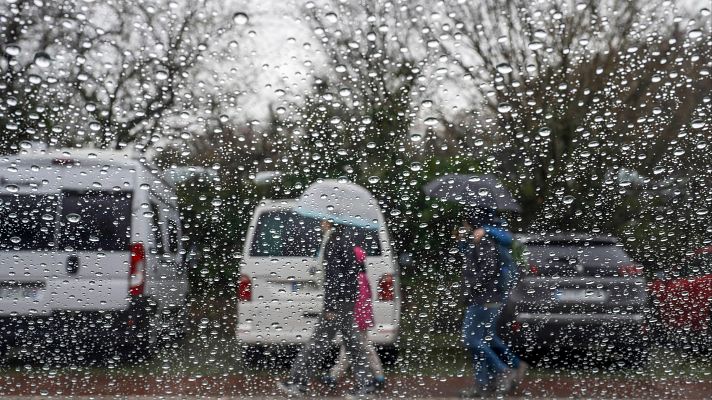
pixel 340 295
pixel 504 240
pixel 483 297
pixel 363 314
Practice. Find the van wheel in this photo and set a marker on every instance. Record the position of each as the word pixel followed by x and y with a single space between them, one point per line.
pixel 388 355
pixel 148 334
pixel 253 356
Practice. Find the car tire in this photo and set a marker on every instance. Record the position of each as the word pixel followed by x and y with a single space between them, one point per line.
pixel 145 336
pixel 253 356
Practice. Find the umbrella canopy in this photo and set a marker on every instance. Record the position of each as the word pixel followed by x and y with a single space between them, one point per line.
pixel 483 191
pixel 343 202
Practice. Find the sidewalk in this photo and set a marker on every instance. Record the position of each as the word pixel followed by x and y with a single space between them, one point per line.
pixel 235 386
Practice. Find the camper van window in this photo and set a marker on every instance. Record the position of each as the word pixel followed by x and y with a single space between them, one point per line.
pixel 284 233
pixel 27 222
pixel 157 229
pixel 172 236
pixel 95 220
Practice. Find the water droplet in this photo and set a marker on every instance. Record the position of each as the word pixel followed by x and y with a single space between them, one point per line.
pixel 433 44
pixel 240 18
pixel 15 239
pixel 42 59
pixel 161 75
pixel 216 202
pixel 568 199
pixel 416 166
pixel 94 126
pixel 430 121
pixel 344 92
pixel 373 179
pixel 12 50
pixel 34 79
pixel 698 123
pixel 331 18
pixel 536 46
pixel 340 68
pixel 74 218
pixel 694 34
pixel 12 188
pixel 544 132
pixel 416 137
pixel 47 217
pixel 504 68
pixel 144 186
pixel 504 107
pixel 427 103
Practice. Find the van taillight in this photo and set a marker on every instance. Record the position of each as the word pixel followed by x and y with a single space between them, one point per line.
pixel 386 288
pixel 630 270
pixel 244 288
pixel 533 269
pixel 137 270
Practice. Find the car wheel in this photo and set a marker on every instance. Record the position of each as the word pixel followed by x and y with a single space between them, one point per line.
pixel 146 333
pixel 253 356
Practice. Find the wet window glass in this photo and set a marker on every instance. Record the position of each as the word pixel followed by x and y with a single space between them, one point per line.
pixel 27 222
pixel 281 233
pixel 95 221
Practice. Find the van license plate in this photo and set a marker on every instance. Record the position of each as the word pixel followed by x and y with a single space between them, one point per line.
pixel 582 295
pixel 19 293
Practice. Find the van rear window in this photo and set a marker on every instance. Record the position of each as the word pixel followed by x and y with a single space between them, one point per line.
pixel 27 222
pixel 95 221
pixel 286 234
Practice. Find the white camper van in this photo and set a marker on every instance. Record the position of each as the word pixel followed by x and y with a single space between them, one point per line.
pixel 279 288
pixel 90 252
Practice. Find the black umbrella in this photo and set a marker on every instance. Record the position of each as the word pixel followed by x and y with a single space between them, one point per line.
pixel 482 191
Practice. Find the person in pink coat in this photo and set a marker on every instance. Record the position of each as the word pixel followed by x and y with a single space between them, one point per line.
pixel 363 317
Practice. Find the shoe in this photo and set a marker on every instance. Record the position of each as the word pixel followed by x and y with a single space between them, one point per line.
pixel 362 393
pixel 475 392
pixel 379 382
pixel 328 380
pixel 504 382
pixel 521 372
pixel 292 389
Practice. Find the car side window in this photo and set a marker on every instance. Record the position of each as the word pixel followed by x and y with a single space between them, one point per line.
pixel 172 236
pixel 157 229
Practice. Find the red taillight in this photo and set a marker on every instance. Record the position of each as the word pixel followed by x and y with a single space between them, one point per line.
pixel 137 270
pixel 244 288
pixel 516 326
pixel 630 270
pixel 386 288
pixel 533 269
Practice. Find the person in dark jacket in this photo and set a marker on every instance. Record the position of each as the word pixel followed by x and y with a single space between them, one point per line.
pixel 483 297
pixel 341 271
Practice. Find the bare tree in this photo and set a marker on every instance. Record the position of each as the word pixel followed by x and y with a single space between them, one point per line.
pixel 113 73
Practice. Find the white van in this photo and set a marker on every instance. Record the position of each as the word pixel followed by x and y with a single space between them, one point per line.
pixel 279 288
pixel 90 252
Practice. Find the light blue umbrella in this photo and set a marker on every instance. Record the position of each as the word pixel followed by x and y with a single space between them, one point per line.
pixel 342 202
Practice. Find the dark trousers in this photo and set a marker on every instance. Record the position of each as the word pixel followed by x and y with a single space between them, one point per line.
pixel 312 356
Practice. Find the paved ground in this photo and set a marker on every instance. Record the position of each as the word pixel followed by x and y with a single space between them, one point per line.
pixel 240 386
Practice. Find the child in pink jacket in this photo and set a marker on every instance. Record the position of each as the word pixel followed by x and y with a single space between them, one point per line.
pixel 363 316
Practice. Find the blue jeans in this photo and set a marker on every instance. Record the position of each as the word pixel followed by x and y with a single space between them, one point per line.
pixel 477 335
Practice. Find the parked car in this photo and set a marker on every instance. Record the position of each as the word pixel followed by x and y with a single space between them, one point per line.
pixel 682 300
pixel 90 253
pixel 279 288
pixel 579 292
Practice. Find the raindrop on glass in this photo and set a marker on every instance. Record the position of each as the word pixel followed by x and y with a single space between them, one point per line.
pixel 504 68
pixel 42 59
pixel 240 18
pixel 74 218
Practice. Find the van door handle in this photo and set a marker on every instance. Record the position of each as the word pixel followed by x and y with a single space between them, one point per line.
pixel 72 264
